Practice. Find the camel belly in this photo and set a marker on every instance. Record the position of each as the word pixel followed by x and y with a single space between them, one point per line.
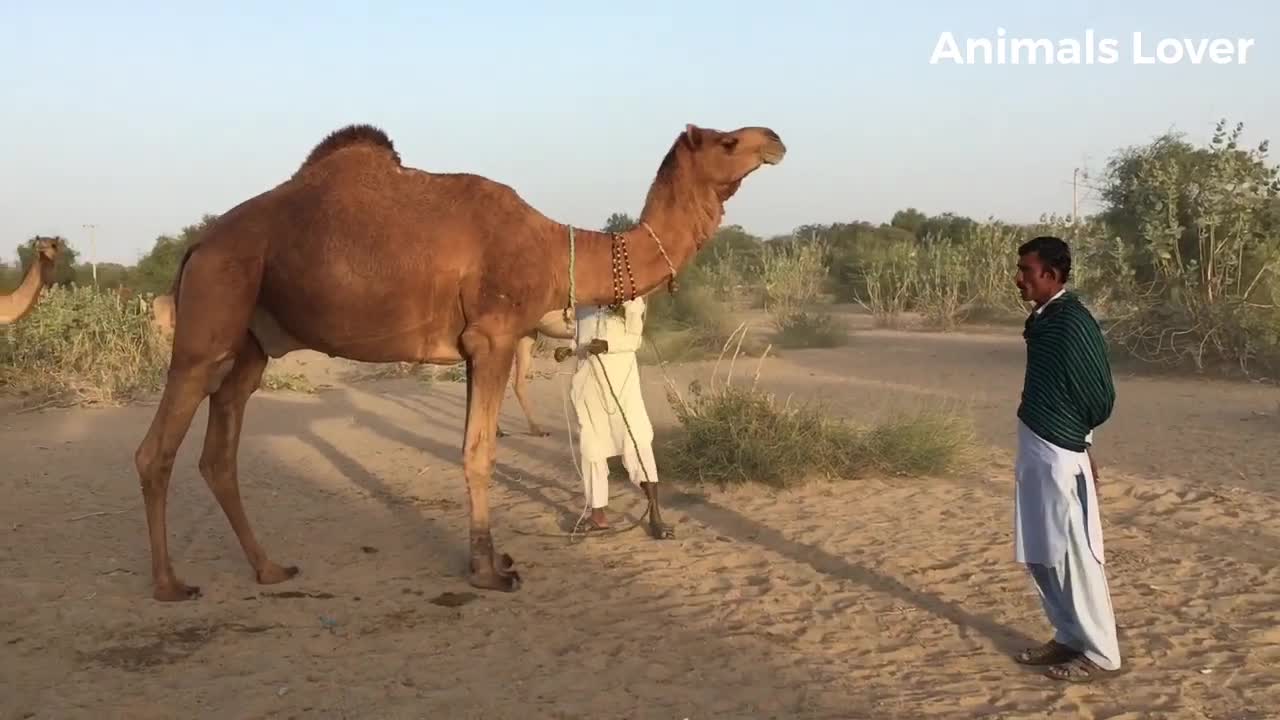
pixel 277 341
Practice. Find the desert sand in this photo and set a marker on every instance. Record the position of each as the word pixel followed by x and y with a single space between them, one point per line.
pixel 889 598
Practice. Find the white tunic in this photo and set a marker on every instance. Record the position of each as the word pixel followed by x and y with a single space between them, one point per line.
pixel 603 433
pixel 1052 486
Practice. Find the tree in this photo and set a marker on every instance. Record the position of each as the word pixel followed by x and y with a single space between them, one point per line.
pixel 947 226
pixel 156 270
pixel 1197 255
pixel 110 275
pixel 10 277
pixel 909 219
pixel 619 222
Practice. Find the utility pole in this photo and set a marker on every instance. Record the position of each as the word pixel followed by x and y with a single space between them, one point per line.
pixel 93 251
pixel 1075 201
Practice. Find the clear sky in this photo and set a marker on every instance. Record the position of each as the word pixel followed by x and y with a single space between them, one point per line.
pixel 140 116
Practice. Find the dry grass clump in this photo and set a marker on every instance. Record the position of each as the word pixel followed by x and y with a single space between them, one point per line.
pixel 686 326
pixel 83 346
pixel 802 329
pixel 736 434
pixel 424 372
pixel 287 382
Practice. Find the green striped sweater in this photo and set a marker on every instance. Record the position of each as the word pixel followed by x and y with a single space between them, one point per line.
pixel 1067 391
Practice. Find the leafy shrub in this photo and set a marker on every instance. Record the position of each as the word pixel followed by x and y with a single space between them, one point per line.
pixel 83 346
pixel 803 329
pixel 735 434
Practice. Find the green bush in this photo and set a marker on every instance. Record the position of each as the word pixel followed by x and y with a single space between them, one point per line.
pixel 83 346
pixel 734 435
pixel 802 329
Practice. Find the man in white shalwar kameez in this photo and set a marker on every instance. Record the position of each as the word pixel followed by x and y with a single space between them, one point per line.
pixel 603 420
pixel 1067 392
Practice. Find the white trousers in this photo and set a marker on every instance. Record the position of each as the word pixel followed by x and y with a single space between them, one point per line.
pixel 595 474
pixel 1059 537
pixel 1077 602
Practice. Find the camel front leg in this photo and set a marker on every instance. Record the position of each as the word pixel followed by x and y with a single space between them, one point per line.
pixel 488 366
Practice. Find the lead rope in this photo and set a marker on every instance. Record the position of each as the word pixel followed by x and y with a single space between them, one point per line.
pixel 573 456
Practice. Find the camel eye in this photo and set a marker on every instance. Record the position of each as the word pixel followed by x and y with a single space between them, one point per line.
pixel 729 143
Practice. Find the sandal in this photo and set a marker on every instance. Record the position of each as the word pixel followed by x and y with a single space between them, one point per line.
pixel 1081 670
pixel 1050 653
pixel 589 525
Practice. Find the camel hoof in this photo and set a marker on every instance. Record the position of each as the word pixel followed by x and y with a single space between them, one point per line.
pixel 505 578
pixel 272 574
pixel 176 592
pixel 661 531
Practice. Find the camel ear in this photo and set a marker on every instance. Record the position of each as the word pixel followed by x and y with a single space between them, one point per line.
pixel 693 135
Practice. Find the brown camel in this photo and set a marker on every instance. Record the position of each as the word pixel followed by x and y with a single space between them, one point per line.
pixel 552 325
pixel 22 301
pixel 361 257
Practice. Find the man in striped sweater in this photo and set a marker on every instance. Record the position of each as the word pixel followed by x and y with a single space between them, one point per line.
pixel 1067 392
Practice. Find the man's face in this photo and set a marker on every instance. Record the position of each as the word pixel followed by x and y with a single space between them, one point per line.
pixel 1036 282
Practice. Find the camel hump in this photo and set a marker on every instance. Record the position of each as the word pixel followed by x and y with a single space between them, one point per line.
pixel 358 134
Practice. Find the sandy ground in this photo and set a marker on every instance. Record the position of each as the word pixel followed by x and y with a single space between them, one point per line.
pixel 880 599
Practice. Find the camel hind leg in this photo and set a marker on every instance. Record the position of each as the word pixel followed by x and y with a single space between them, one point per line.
pixel 520 381
pixel 211 321
pixel 183 393
pixel 218 461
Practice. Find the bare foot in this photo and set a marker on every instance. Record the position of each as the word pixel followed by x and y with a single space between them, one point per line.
pixel 599 520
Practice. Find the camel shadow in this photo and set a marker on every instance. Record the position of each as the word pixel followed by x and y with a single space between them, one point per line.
pixel 722 520
pixel 275 417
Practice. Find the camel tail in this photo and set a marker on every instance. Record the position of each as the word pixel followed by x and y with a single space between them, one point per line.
pixel 177 276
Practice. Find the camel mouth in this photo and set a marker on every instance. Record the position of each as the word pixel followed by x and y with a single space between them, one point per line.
pixel 774 155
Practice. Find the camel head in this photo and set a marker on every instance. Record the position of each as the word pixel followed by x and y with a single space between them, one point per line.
pixel 724 158
pixel 47 250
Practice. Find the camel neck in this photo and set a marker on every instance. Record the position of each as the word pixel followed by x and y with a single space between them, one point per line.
pixel 16 306
pixel 680 214
pixel 594 276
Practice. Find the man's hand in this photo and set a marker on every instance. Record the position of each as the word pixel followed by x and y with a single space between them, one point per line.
pixel 1093 467
pixel 595 347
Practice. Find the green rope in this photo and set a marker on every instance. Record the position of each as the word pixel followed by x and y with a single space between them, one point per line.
pixel 627 423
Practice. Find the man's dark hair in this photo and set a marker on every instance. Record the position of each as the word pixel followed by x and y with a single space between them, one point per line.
pixel 1053 253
